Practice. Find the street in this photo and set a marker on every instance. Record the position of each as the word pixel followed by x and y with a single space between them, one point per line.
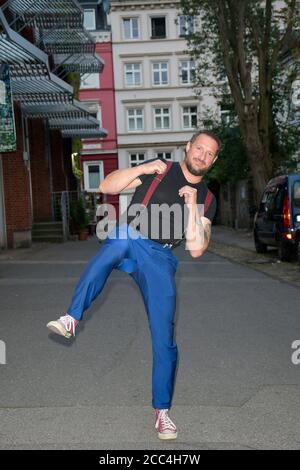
pixel 236 386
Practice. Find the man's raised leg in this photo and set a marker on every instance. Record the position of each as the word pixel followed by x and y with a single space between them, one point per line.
pixel 90 285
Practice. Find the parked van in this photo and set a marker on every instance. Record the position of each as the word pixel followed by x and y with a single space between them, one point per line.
pixel 277 220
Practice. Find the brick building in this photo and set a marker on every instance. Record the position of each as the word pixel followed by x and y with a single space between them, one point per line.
pixel 42 48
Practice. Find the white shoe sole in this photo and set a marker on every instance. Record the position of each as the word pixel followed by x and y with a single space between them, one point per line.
pixel 58 328
pixel 167 436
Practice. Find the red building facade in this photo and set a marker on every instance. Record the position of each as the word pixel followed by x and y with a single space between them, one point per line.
pixel 98 94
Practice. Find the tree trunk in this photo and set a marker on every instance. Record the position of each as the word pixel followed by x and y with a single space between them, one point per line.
pixel 259 162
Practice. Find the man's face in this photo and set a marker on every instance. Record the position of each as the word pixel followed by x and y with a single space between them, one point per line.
pixel 201 155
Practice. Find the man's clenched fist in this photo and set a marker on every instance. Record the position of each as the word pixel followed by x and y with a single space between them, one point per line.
pixel 189 194
pixel 154 167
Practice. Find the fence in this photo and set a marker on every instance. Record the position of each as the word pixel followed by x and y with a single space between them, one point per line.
pixel 61 201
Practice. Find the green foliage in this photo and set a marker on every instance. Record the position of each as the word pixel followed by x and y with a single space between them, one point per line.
pixel 268 47
pixel 76 145
pixel 77 172
pixel 73 79
pixel 231 165
pixel 78 215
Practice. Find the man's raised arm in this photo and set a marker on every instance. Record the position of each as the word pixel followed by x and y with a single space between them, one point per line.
pixel 118 180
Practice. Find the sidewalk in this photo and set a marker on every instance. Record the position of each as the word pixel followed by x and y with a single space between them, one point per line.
pixel 238 246
pixel 242 238
pixel 22 253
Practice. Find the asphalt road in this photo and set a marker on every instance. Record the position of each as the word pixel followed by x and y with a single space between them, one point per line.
pixel 236 386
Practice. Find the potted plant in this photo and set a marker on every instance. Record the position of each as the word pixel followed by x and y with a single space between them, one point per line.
pixel 80 219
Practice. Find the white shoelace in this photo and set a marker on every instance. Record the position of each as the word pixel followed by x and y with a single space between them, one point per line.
pixel 69 323
pixel 166 420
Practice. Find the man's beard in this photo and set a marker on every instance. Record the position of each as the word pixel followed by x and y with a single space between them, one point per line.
pixel 200 172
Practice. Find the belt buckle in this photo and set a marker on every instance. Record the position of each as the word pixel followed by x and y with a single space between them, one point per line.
pixel 167 245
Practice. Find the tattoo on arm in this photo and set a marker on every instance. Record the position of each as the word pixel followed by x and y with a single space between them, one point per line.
pixel 207 232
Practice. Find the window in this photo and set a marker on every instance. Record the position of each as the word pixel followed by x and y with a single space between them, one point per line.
pixel 268 199
pixel 165 155
pixel 135 119
pixel 89 19
pixel 136 158
pixel 296 193
pixel 133 74
pixel 186 25
pixel 158 27
pixel 94 109
pixel 264 197
pixel 225 116
pixel 189 117
pixel 278 202
pixel 160 73
pixel 99 116
pixel 161 118
pixel 89 80
pixel 227 111
pixel 187 72
pixel 93 175
pixel 131 28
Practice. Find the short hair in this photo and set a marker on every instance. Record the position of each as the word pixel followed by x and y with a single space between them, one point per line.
pixel 210 134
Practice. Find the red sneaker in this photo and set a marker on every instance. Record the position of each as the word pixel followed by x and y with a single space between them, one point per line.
pixel 64 326
pixel 164 425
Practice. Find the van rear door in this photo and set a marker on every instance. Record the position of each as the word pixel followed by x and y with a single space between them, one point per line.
pixel 264 219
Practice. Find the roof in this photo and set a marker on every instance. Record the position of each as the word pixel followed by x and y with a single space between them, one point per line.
pixel 42 93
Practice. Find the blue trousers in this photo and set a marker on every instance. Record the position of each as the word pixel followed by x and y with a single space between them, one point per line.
pixel 153 268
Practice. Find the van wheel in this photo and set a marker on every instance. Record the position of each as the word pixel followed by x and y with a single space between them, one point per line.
pixel 287 251
pixel 259 246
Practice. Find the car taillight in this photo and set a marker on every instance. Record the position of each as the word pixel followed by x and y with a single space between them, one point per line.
pixel 286 212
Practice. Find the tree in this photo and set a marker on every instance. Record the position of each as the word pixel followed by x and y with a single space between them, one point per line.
pixel 232 164
pixel 240 44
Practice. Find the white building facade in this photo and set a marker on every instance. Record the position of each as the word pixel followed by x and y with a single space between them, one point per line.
pixel 157 109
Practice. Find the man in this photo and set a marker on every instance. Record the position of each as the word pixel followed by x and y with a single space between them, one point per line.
pixel 149 259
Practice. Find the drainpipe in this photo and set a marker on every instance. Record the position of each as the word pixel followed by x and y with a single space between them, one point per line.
pixel 3 234
pixel 26 159
pixel 49 161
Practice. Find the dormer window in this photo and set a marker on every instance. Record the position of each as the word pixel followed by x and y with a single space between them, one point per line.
pixel 89 19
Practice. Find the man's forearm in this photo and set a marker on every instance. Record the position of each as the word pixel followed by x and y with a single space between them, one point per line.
pixel 116 181
pixel 197 238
